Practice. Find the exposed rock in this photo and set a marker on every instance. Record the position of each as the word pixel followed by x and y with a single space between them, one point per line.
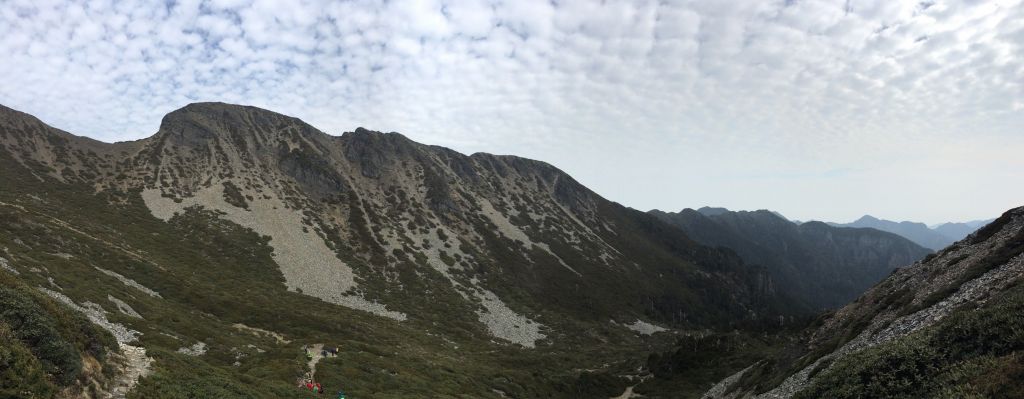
pixel 129 282
pixel 644 328
pixel 7 266
pixel 123 307
pixel 197 349
pixel 307 263
pixel 98 316
pixel 506 324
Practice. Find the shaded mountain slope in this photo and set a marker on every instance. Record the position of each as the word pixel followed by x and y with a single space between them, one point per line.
pixel 821 266
pixel 946 326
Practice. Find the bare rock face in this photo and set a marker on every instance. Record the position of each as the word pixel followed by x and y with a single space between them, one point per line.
pixel 374 221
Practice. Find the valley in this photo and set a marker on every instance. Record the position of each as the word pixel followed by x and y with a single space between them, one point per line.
pixel 211 255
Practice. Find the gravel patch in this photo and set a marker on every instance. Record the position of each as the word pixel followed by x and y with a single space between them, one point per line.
pixel 305 260
pixel 198 349
pixel 98 316
pixel 644 328
pixel 512 231
pixel 129 282
pixel 504 323
pixel 123 307
pixel 718 391
pixel 6 266
pixel 501 321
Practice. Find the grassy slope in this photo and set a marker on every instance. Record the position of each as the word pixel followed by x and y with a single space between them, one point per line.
pixel 212 274
pixel 972 353
pixel 698 361
pixel 43 343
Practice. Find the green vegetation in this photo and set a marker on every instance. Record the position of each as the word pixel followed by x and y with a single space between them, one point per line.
pixel 700 361
pixel 971 353
pixel 211 274
pixel 42 342
pixel 233 195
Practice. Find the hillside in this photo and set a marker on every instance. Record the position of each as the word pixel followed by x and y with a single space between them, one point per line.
pixel 947 326
pixel 931 238
pixel 235 236
pixel 819 265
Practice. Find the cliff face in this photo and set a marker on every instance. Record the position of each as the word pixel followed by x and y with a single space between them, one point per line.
pixel 820 265
pixel 948 325
pixel 371 221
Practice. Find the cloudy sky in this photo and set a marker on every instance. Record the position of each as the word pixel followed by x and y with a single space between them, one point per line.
pixel 818 109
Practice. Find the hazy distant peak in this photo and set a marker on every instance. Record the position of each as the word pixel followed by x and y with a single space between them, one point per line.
pixel 935 238
pixel 712 211
pixel 867 218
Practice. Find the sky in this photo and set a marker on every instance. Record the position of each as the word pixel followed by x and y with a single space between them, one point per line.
pixel 822 110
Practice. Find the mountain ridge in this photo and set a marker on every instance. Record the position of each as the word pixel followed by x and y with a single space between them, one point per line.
pixel 928 237
pixel 287 180
pixel 824 266
pixel 421 263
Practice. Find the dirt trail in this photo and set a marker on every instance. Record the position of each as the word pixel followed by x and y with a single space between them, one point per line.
pixel 629 390
pixel 627 394
pixel 315 351
pixel 135 365
pixel 260 332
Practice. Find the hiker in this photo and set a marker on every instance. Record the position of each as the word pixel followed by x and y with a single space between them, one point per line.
pixel 318 389
pixel 334 351
pixel 309 385
pixel 341 394
pixel 323 353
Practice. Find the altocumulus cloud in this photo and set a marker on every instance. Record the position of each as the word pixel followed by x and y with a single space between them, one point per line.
pixel 653 103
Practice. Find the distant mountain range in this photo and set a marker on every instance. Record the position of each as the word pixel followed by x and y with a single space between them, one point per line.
pixel 932 238
pixel 820 265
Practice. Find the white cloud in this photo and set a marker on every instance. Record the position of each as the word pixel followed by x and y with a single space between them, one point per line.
pixel 651 103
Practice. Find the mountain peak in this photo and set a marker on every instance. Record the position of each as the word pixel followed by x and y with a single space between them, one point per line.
pixel 867 218
pixel 220 111
pixel 198 124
